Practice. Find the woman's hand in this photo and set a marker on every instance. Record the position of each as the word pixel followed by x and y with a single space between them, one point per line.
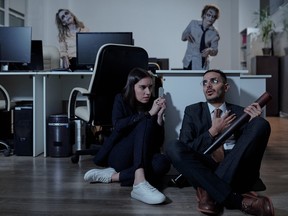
pixel 157 105
pixel 158 108
pixel 65 62
pixel 160 118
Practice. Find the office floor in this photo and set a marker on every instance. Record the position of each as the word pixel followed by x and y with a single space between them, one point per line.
pixel 54 186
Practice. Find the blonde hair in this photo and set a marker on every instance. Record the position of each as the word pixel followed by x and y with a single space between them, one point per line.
pixel 63 30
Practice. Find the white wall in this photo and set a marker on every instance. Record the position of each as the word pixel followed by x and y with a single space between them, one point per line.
pixel 17 5
pixel 157 25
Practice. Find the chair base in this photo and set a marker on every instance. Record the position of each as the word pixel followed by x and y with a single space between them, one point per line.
pixel 80 140
pixel 93 151
pixel 7 150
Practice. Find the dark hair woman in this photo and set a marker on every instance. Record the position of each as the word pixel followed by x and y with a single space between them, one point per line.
pixel 133 150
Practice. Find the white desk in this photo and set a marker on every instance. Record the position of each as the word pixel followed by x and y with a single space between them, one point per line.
pixel 57 87
pixel 182 88
pixel 48 91
pixel 252 86
pixel 27 86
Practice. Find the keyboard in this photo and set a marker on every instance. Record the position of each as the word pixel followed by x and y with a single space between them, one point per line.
pixel 61 69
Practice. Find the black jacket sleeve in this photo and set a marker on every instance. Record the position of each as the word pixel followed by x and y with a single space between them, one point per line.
pixel 196 123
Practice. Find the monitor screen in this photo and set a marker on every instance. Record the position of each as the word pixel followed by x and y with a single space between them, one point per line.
pixel 88 44
pixel 15 44
pixel 37 62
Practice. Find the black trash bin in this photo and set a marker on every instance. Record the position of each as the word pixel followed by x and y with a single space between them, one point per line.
pixel 59 136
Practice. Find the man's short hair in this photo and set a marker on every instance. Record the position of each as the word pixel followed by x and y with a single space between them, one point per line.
pixel 213 7
pixel 222 74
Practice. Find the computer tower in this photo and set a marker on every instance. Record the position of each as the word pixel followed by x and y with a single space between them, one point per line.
pixel 23 130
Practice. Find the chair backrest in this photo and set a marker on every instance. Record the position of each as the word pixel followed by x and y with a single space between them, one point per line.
pixel 153 67
pixel 112 66
pixel 51 57
pixel 4 99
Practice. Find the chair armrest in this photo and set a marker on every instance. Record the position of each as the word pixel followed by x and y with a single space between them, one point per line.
pixel 78 91
pixel 6 97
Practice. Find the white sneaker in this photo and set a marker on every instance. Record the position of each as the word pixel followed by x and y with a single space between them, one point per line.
pixel 99 175
pixel 146 193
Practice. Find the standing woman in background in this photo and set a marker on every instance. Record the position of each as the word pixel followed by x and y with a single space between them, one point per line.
pixel 202 39
pixel 68 25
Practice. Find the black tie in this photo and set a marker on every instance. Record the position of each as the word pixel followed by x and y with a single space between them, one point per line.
pixel 218 112
pixel 202 43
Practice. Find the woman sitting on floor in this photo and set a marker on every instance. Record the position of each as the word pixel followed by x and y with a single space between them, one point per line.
pixel 133 150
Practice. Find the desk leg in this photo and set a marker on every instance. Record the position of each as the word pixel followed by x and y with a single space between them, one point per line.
pixel 38 116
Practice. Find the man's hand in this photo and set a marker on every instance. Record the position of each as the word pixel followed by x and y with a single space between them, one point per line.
pixel 220 124
pixel 253 110
pixel 190 38
pixel 206 52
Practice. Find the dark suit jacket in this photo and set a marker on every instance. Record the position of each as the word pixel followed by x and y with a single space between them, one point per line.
pixel 196 123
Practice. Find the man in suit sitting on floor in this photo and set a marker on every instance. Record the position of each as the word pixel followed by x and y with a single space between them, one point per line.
pixel 228 176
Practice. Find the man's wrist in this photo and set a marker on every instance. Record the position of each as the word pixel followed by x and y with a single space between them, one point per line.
pixel 212 133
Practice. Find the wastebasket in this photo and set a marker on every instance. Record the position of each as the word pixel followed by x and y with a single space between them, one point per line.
pixel 59 136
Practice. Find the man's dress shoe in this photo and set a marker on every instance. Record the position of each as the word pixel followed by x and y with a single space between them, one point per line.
pixel 206 204
pixel 254 204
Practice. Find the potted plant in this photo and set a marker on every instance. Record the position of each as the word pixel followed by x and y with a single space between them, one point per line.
pixel 266 27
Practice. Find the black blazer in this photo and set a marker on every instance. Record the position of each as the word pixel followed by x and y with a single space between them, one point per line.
pixel 196 123
pixel 124 120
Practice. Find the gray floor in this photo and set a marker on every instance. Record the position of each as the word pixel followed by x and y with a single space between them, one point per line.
pixel 55 186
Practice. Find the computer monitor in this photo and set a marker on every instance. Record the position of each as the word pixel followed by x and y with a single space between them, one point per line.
pixel 36 62
pixel 15 45
pixel 88 44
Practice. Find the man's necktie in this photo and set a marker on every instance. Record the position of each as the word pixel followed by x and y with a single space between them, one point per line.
pixel 202 43
pixel 218 154
pixel 218 112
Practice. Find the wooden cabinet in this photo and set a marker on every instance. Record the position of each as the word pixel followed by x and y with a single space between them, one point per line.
pixel 247 36
pixel 269 65
pixel 283 88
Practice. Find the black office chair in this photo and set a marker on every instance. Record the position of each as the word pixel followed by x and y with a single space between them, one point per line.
pixel 5 105
pixel 112 65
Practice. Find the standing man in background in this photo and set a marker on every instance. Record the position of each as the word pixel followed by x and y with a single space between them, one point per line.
pixel 202 39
